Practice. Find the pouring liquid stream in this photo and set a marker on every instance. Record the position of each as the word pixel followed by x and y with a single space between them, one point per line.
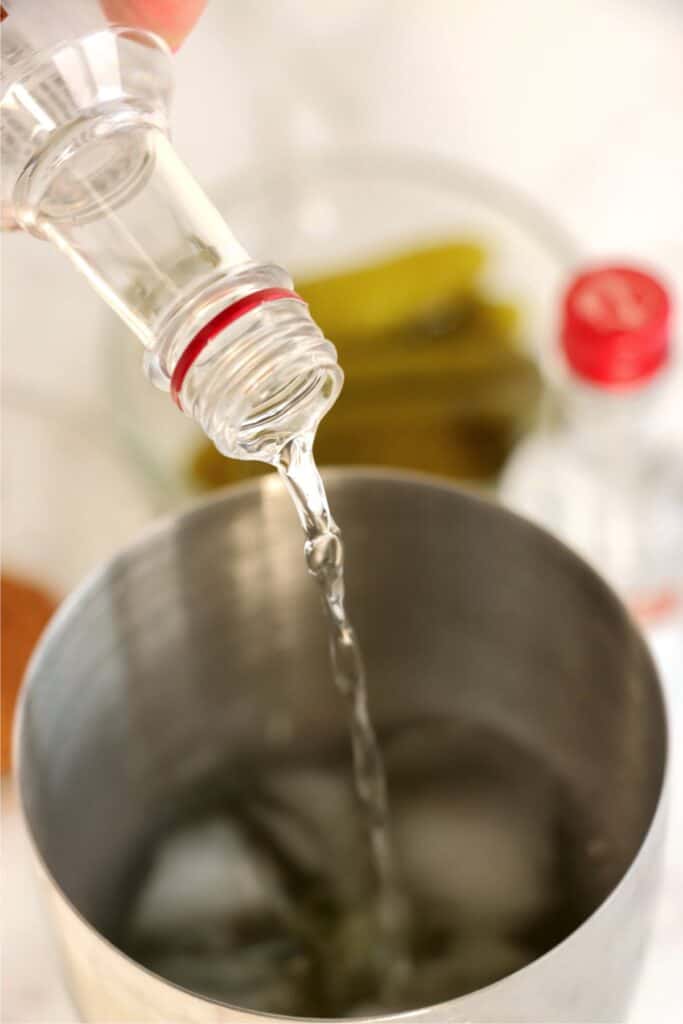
pixel 289 936
pixel 324 552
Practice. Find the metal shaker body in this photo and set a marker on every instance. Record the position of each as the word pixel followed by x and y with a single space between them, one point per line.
pixel 177 654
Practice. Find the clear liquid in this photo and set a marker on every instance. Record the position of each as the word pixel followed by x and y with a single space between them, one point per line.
pixel 324 551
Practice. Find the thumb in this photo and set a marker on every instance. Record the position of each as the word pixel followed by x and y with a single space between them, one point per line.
pixel 172 19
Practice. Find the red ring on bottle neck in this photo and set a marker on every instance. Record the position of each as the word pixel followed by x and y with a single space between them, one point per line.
pixel 217 324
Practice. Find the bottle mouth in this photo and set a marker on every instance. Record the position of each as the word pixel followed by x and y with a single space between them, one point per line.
pixel 259 372
pixel 285 412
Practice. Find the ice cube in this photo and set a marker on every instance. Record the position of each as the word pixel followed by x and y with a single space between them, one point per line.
pixel 477 862
pixel 205 878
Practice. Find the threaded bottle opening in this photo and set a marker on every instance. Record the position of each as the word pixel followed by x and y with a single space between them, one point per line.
pixel 295 408
pixel 262 381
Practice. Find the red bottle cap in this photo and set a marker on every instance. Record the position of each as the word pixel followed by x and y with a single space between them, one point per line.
pixel 616 326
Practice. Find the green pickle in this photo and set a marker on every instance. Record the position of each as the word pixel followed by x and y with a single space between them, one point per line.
pixel 437 375
pixel 380 298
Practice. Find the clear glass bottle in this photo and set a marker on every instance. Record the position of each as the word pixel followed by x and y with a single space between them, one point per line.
pixel 602 477
pixel 88 165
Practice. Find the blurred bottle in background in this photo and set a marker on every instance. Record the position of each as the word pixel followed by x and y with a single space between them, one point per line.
pixel 601 476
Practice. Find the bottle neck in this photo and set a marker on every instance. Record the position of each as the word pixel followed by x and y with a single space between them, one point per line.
pixel 599 417
pixel 93 170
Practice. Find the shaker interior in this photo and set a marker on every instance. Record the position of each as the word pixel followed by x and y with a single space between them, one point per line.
pixel 497 662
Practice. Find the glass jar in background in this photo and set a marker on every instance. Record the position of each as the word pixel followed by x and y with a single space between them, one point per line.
pixel 466 274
